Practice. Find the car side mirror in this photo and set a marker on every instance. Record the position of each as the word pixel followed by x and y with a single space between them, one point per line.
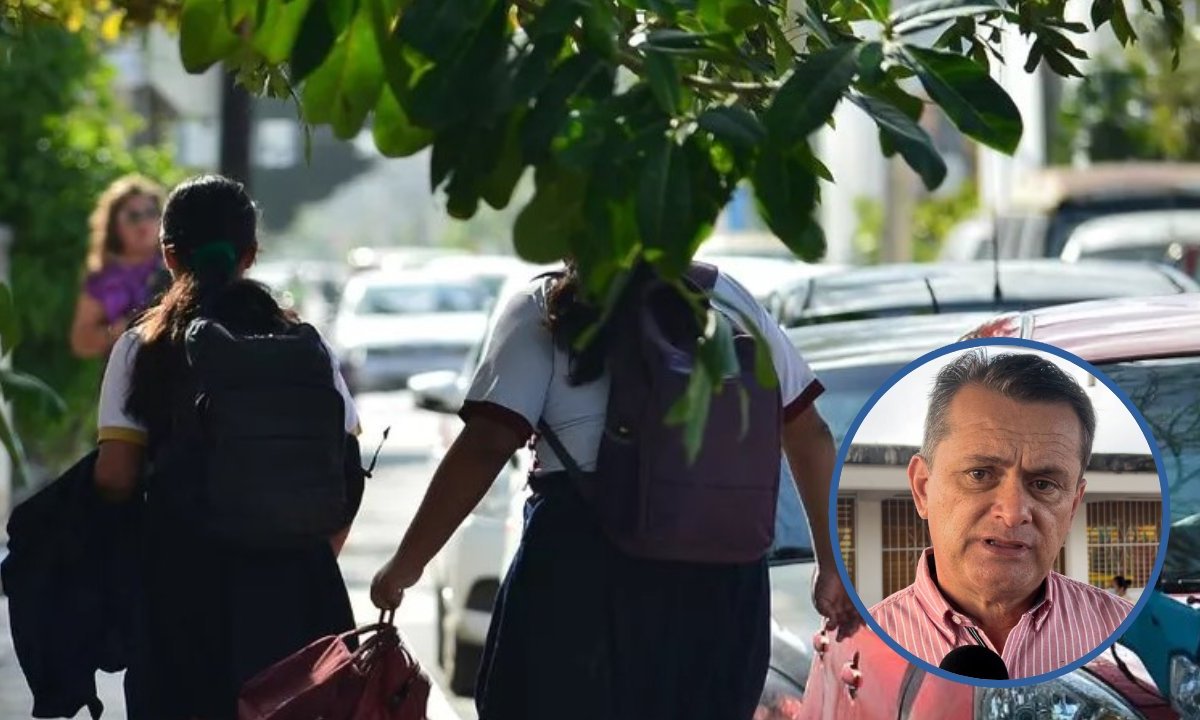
pixel 437 391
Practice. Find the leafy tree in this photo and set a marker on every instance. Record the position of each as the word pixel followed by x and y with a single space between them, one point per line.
pixel 637 118
pixel 1135 105
pixel 65 138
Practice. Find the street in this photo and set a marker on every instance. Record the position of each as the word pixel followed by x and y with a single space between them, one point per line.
pixel 391 500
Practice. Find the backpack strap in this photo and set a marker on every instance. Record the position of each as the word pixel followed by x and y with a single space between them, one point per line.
pixel 703 275
pixel 573 469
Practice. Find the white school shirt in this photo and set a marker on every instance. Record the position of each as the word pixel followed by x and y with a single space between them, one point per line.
pixel 522 376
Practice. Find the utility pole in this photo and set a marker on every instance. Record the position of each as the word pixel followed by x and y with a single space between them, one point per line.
pixel 897 213
pixel 235 130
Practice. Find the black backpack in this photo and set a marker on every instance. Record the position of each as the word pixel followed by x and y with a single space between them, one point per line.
pixel 271 435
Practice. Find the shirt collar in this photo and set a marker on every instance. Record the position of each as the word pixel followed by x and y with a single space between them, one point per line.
pixel 948 621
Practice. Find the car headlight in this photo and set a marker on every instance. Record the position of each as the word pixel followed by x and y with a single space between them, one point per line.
pixel 781 699
pixel 1185 686
pixel 1074 696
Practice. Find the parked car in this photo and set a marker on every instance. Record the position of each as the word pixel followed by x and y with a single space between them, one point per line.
pixel 1047 206
pixel 1171 237
pixel 391 326
pixel 1150 347
pixel 977 286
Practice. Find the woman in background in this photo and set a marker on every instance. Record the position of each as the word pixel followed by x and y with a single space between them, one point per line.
pixel 124 266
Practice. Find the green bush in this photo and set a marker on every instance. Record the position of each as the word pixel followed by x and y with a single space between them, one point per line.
pixel 65 138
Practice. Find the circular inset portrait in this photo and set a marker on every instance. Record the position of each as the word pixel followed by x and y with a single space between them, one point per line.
pixel 999 511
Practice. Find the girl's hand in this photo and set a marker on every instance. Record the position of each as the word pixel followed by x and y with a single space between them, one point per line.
pixel 387 589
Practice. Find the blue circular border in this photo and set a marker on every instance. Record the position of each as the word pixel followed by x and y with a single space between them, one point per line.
pixel 848 440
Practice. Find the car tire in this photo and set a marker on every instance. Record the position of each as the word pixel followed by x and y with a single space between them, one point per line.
pixel 464 668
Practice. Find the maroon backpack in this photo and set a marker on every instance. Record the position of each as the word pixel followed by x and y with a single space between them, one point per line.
pixel 650 501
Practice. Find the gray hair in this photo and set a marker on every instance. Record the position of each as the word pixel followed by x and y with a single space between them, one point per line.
pixel 1022 377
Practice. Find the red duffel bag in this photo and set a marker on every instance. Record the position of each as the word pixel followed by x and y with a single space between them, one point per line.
pixel 380 680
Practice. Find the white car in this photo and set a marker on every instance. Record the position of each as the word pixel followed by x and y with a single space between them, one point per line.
pixel 393 325
pixel 466 573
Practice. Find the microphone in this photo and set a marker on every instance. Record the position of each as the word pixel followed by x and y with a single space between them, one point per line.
pixel 975 661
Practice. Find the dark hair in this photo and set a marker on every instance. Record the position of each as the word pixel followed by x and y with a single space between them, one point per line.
pixel 1023 377
pixel 209 224
pixel 1121 581
pixel 571 315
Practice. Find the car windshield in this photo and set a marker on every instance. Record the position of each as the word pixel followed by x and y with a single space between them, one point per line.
pixel 415 299
pixel 1168 394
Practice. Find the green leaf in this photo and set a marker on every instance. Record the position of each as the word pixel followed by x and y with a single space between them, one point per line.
pixel 665 81
pixel 976 103
pixel 313 43
pixel 691 411
pixel 1102 12
pixel 664 204
pixel 734 126
pixel 600 29
pixel 870 64
pixel 1121 26
pixel 556 17
pixel 543 229
pixel 786 192
pixel 204 34
pixel 1060 64
pixel 470 84
pixel 17 382
pixel 807 100
pixel 1174 19
pixel 276 33
pixel 743 16
pixel 535 68
pixel 347 85
pixel 10 324
pixel 438 28
pixel 813 18
pixel 907 137
pixel 395 134
pixel 549 115
pixel 930 13
pixel 497 188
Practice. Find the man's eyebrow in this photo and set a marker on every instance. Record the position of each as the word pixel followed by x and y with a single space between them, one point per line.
pixel 987 460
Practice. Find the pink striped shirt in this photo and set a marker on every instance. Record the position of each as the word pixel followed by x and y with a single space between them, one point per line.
pixel 1071 620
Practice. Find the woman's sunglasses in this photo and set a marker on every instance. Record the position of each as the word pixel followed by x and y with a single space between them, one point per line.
pixel 132 217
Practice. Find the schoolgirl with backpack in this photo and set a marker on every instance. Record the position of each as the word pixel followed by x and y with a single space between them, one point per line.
pixel 640 589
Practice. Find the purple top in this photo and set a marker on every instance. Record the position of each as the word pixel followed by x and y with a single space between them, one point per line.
pixel 123 289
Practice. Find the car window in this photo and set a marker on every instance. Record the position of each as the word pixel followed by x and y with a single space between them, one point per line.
pixel 1168 394
pixel 847 389
pixel 411 299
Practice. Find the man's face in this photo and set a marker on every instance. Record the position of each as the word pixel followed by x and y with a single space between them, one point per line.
pixel 1001 493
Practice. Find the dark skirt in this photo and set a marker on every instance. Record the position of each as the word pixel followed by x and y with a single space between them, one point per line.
pixel 212 616
pixel 584 631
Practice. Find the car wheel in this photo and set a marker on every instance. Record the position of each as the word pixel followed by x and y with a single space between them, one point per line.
pixel 441 630
pixel 464 668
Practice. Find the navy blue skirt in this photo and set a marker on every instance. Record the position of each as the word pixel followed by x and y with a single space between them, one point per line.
pixel 584 631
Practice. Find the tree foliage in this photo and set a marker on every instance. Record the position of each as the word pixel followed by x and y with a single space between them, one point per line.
pixel 65 138
pixel 638 118
pixel 1135 104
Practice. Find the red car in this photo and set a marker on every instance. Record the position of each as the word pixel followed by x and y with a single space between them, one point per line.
pixel 1151 348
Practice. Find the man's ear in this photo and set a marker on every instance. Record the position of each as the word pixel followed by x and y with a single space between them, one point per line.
pixel 918 482
pixel 1080 489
